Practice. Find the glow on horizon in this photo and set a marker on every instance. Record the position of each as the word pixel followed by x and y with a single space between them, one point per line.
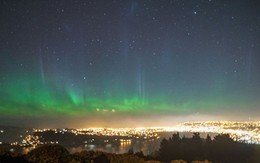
pixel 238 130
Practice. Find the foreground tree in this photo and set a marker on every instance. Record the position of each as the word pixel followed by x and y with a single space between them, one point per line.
pixel 7 156
pixel 48 153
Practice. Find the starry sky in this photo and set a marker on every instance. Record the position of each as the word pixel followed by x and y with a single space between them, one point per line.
pixel 97 62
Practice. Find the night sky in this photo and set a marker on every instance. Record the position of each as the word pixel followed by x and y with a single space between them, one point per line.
pixel 110 62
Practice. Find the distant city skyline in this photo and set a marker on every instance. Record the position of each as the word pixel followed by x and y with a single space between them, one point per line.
pixel 128 63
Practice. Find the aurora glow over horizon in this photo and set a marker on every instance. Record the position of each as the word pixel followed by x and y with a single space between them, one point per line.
pixel 110 61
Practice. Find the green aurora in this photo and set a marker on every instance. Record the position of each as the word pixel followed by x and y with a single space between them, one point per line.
pixel 30 97
pixel 69 62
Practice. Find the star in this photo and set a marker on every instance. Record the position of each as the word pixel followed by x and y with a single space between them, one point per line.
pixel 180 57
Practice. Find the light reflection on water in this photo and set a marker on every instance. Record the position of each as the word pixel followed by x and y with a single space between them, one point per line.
pixel 145 146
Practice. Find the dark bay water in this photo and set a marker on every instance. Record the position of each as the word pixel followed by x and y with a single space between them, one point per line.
pixel 146 146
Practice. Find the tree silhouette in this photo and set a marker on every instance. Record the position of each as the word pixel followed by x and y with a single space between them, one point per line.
pixel 101 159
pixel 130 151
pixel 221 149
pixel 139 154
pixel 164 151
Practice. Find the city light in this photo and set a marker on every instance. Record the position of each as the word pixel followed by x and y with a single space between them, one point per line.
pixel 245 132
